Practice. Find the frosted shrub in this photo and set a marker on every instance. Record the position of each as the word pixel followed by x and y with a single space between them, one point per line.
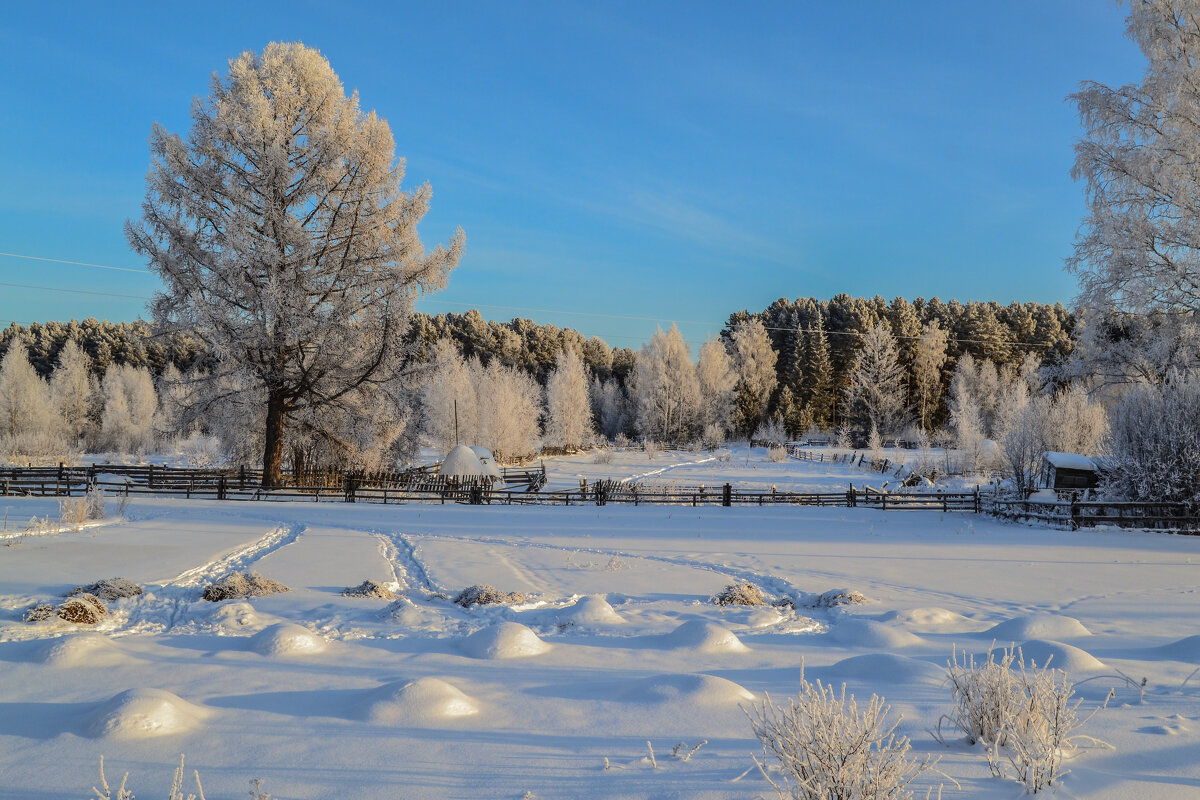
pixel 839 597
pixel 1028 715
pixel 485 594
pixel 825 747
pixel 652 449
pixel 240 585
pixel 369 588
pixel 199 450
pixel 772 432
pixel 742 593
pixel 713 436
pixel 621 441
pixel 109 589
pixel 105 793
pixel 84 609
pixel 603 455
pixel 776 454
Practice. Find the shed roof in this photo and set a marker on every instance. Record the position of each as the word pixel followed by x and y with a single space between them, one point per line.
pixel 1070 461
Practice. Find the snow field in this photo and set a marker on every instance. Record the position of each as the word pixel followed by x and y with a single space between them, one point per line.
pixel 328 696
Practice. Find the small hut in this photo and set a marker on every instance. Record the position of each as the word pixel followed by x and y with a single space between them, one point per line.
pixel 1069 472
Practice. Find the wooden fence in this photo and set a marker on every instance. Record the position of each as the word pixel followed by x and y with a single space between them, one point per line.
pixel 1073 515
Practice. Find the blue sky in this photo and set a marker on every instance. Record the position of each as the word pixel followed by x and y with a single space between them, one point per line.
pixel 613 164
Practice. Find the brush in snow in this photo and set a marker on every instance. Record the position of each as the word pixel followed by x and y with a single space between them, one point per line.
pixel 485 595
pixel 242 584
pixel 86 609
pixel 370 589
pixel 109 589
pixel 743 593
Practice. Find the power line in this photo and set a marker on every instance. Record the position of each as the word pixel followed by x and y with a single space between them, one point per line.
pixel 76 263
pixel 73 291
pixel 858 334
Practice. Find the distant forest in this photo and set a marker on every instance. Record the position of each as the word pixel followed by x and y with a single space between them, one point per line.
pixel 988 331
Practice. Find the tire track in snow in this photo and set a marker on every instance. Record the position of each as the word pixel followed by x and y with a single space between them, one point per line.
pixel 401 555
pixel 170 601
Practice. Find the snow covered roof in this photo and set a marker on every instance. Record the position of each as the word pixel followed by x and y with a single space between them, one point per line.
pixel 1070 461
pixel 461 462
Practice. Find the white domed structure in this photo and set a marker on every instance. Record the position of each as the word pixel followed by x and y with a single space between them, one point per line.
pixel 461 462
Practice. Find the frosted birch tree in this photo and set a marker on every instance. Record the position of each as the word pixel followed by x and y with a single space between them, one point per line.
pixel 754 363
pixel 665 388
pixel 449 408
pixel 568 405
pixel 510 403
pixel 25 412
pixel 714 371
pixel 283 239
pixel 130 403
pixel 73 392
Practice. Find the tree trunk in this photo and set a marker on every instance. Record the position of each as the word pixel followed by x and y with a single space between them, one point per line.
pixel 273 452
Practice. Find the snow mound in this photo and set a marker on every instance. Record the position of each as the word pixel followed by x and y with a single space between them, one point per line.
pixel 855 632
pixel 462 462
pixel 1186 649
pixel 704 637
pixel 1066 657
pixel 81 650
pixel 235 615
pixel 593 609
pixel 287 639
pixel 930 619
pixel 696 690
pixel 506 640
pixel 887 668
pixel 1038 626
pixel 143 713
pixel 416 702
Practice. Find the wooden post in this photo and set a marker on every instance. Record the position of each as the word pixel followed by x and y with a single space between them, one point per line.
pixel 727 495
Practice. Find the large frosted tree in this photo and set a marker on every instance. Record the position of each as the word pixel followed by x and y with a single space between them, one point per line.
pixel 754 363
pixel 568 404
pixel 284 241
pixel 717 379
pixel 664 388
pixel 875 397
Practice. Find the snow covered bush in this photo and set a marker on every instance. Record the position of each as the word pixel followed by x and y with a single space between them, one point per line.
pixel 742 593
pixel 370 588
pixel 825 747
pixel 485 594
pixel 84 609
pixel 176 793
pixel 1155 443
pixel 109 589
pixel 776 454
pixel 839 597
pixel 603 455
pixel 772 432
pixel 240 585
pixel 1027 715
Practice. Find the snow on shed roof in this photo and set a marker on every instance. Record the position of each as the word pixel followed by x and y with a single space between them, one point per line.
pixel 461 462
pixel 1070 461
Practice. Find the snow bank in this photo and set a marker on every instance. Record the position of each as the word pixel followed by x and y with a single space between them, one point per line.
pixel 506 640
pixel 416 702
pixel 696 690
pixel 143 713
pixel 1060 656
pixel 81 650
pixel 853 632
pixel 704 637
pixel 886 668
pixel 1038 626
pixel 931 619
pixel 590 610
pixel 1186 649
pixel 287 639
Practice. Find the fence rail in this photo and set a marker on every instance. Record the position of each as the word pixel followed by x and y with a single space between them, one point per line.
pixel 526 486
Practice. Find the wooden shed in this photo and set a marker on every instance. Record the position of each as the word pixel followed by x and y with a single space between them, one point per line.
pixel 1068 471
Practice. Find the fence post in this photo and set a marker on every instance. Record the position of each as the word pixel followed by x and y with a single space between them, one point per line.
pixel 242 476
pixel 727 495
pixel 221 488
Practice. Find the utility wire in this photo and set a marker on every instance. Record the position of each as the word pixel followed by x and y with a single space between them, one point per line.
pixel 858 334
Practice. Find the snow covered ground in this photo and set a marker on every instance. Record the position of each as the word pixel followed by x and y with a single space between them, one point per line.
pixel 326 696
pixel 742 466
